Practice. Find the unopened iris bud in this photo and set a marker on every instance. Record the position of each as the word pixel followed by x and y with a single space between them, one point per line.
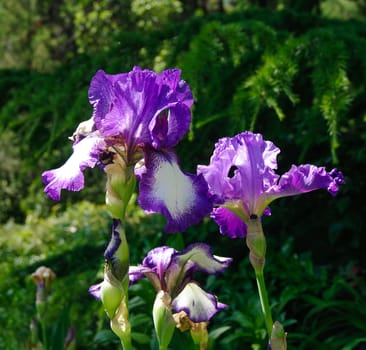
pixel 111 294
pixel 163 319
pixel 121 183
pixel 256 243
pixel 43 278
pixel 278 337
pixel 117 254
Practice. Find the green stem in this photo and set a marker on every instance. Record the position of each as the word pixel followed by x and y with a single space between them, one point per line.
pixel 126 343
pixel 44 335
pixel 256 243
pixel 263 296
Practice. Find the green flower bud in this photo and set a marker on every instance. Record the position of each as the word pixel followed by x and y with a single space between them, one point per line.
pixel 278 337
pixel 43 278
pixel 163 319
pixel 256 243
pixel 111 293
pixel 121 183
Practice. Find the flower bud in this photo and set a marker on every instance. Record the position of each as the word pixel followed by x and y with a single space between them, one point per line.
pixel 121 184
pixel 115 284
pixel 256 243
pixel 111 294
pixel 163 319
pixel 278 337
pixel 43 278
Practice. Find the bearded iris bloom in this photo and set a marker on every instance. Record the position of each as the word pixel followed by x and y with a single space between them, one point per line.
pixel 242 180
pixel 171 271
pixel 138 118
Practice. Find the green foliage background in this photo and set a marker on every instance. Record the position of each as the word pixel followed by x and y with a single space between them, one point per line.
pixel 287 69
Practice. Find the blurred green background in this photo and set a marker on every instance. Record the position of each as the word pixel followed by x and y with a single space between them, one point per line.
pixel 293 70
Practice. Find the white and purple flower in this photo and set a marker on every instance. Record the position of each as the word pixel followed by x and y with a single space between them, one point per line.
pixel 172 271
pixel 242 180
pixel 137 116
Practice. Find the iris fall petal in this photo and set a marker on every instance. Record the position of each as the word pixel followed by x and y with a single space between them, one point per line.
pixel 70 175
pixel 164 188
pixel 199 305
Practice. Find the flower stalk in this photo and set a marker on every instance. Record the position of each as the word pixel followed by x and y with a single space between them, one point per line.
pixel 43 278
pixel 256 243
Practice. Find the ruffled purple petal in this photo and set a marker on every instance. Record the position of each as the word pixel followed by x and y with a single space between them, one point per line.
pixel 242 171
pixel 164 188
pixel 195 257
pixel 201 256
pixel 182 91
pixel 199 305
pixel 153 267
pixel 168 127
pixel 135 102
pixel 229 223
pixel 70 176
pixel 158 260
pixel 306 178
pixel 216 173
pixel 241 168
pixel 101 94
pixel 142 106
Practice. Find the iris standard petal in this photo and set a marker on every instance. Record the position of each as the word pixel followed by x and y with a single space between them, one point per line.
pixel 169 126
pixel 217 172
pixel 135 101
pixel 195 257
pixel 101 94
pixel 229 223
pixel 201 256
pixel 142 106
pixel 199 305
pixel 241 168
pixel 164 188
pixel 158 260
pixel 182 91
pixel 153 267
pixel 70 176
pixel 306 178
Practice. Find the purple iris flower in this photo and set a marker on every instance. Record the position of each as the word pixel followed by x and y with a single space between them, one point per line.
pixel 138 118
pixel 242 180
pixel 172 272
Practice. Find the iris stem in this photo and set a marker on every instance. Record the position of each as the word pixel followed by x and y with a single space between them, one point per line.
pixel 44 334
pixel 126 343
pixel 256 243
pixel 263 296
